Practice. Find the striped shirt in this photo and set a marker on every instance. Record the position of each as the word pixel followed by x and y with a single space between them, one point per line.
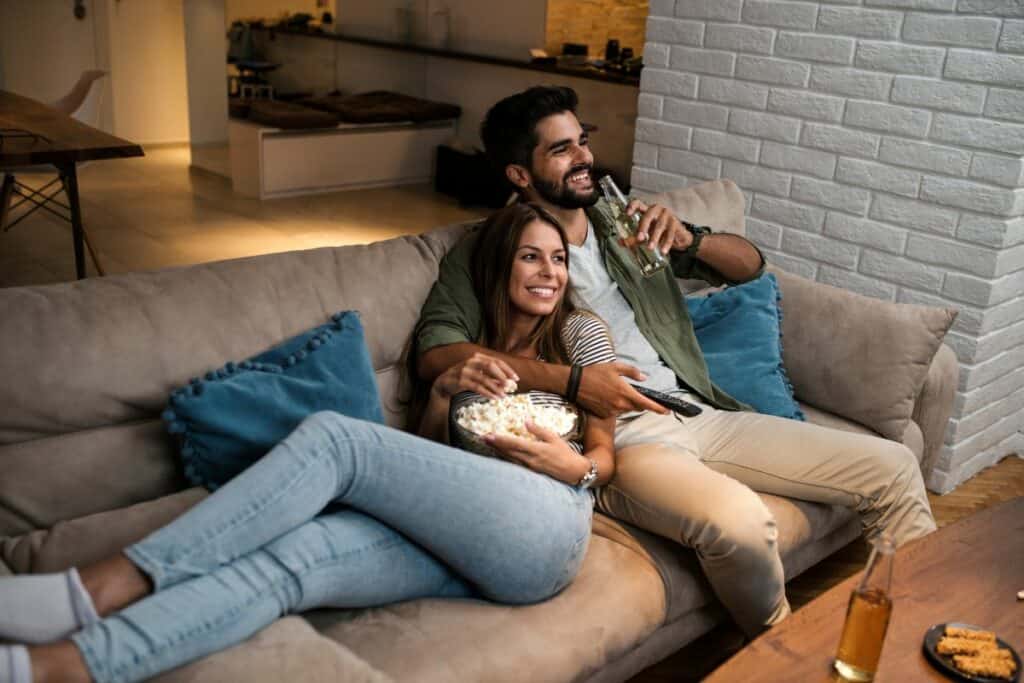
pixel 586 340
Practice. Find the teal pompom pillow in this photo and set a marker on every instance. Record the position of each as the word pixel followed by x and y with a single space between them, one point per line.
pixel 235 415
pixel 740 333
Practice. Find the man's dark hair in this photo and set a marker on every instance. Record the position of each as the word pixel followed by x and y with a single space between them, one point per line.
pixel 509 129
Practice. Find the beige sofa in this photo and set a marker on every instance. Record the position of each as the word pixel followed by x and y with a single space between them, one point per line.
pixel 86 467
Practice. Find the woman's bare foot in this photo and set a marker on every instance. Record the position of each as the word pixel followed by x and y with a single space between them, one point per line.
pixel 60 662
pixel 114 583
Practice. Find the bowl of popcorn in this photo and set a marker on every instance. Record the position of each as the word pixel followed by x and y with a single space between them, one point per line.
pixel 471 417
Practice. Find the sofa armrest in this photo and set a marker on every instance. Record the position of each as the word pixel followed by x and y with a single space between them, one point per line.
pixel 864 359
pixel 934 404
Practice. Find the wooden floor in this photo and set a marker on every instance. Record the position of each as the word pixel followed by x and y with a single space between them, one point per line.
pixel 156 212
pixel 989 487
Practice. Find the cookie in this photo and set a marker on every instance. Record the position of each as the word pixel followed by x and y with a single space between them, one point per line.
pixel 963 646
pixel 987 665
pixel 971 634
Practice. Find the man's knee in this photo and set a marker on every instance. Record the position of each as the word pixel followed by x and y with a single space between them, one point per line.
pixel 896 464
pixel 741 524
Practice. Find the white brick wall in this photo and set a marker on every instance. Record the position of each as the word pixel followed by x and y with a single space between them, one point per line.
pixel 880 144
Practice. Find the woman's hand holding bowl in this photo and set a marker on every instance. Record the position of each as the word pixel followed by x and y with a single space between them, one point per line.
pixel 550 454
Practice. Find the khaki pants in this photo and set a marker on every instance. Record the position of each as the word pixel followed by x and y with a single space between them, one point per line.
pixel 693 480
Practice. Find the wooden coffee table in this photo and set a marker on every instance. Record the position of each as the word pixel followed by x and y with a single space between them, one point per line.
pixel 969 571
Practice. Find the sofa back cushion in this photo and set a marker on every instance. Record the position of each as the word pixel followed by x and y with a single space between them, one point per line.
pixel 88 365
pixel 872 379
pixel 717 203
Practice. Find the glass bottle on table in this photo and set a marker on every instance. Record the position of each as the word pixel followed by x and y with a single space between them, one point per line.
pixel 867 616
pixel 649 260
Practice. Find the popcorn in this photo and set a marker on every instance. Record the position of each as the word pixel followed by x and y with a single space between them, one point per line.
pixel 507 416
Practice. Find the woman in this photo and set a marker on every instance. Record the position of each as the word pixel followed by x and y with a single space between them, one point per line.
pixel 276 539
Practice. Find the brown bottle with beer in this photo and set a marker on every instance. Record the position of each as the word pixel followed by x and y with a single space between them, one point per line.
pixel 867 616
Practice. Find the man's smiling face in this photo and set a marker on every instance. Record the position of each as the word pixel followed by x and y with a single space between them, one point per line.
pixel 561 165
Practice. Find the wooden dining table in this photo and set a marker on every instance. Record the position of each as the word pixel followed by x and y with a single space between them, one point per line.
pixel 34 134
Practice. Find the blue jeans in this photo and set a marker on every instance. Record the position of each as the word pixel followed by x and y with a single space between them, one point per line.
pixel 408 518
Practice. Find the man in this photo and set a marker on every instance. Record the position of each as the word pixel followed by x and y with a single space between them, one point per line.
pixel 691 479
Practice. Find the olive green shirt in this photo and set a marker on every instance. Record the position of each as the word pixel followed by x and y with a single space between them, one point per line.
pixel 452 315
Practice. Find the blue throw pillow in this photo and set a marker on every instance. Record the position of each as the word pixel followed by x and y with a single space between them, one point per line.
pixel 230 419
pixel 740 332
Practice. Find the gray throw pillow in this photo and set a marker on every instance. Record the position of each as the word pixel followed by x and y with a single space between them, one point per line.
pixel 858 357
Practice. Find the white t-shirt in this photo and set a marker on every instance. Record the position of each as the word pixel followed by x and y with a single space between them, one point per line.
pixel 598 292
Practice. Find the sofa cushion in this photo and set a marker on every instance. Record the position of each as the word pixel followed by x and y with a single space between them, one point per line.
pixel 616 600
pixel 54 478
pixel 912 436
pixel 739 333
pixel 104 351
pixel 287 650
pixel 87 539
pixel 858 357
pixel 238 413
pixel 289 116
pixel 717 203
pixel 383 107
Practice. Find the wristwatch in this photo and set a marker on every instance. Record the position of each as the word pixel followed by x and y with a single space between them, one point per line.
pixel 588 479
pixel 698 232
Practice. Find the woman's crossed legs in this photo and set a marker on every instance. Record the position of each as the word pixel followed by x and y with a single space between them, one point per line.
pixel 435 519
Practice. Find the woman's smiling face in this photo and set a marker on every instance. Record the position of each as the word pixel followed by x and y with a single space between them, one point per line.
pixel 539 270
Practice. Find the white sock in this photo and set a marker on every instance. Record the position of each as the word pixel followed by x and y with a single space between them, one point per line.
pixel 15 666
pixel 43 608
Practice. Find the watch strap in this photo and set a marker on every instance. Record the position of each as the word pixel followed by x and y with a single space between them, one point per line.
pixel 698 232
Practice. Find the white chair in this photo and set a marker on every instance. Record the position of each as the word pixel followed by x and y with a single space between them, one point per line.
pixel 82 103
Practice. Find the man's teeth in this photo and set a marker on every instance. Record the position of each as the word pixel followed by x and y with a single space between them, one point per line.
pixel 579 177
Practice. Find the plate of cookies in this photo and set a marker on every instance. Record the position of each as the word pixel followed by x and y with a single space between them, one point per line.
pixel 970 653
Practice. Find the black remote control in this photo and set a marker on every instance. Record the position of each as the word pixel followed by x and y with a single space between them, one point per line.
pixel 678 405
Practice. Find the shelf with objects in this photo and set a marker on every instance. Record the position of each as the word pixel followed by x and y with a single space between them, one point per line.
pixel 283 146
pixel 625 71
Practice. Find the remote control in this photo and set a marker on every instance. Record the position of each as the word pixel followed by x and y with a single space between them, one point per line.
pixel 678 405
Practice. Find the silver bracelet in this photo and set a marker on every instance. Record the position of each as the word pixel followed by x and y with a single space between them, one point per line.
pixel 588 479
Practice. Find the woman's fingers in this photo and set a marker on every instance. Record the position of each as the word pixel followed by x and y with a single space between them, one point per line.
pixel 513 447
pixel 541 433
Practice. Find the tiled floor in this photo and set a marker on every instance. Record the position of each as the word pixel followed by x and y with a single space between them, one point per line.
pixel 153 212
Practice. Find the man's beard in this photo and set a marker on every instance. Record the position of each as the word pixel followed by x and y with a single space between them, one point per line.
pixel 562 196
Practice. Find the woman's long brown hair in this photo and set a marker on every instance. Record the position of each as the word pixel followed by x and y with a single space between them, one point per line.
pixel 493 256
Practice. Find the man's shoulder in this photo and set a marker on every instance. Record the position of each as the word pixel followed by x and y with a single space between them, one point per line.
pixel 461 253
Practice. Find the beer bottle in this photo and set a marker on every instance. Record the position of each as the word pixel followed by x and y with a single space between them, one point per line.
pixel 867 616
pixel 649 260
